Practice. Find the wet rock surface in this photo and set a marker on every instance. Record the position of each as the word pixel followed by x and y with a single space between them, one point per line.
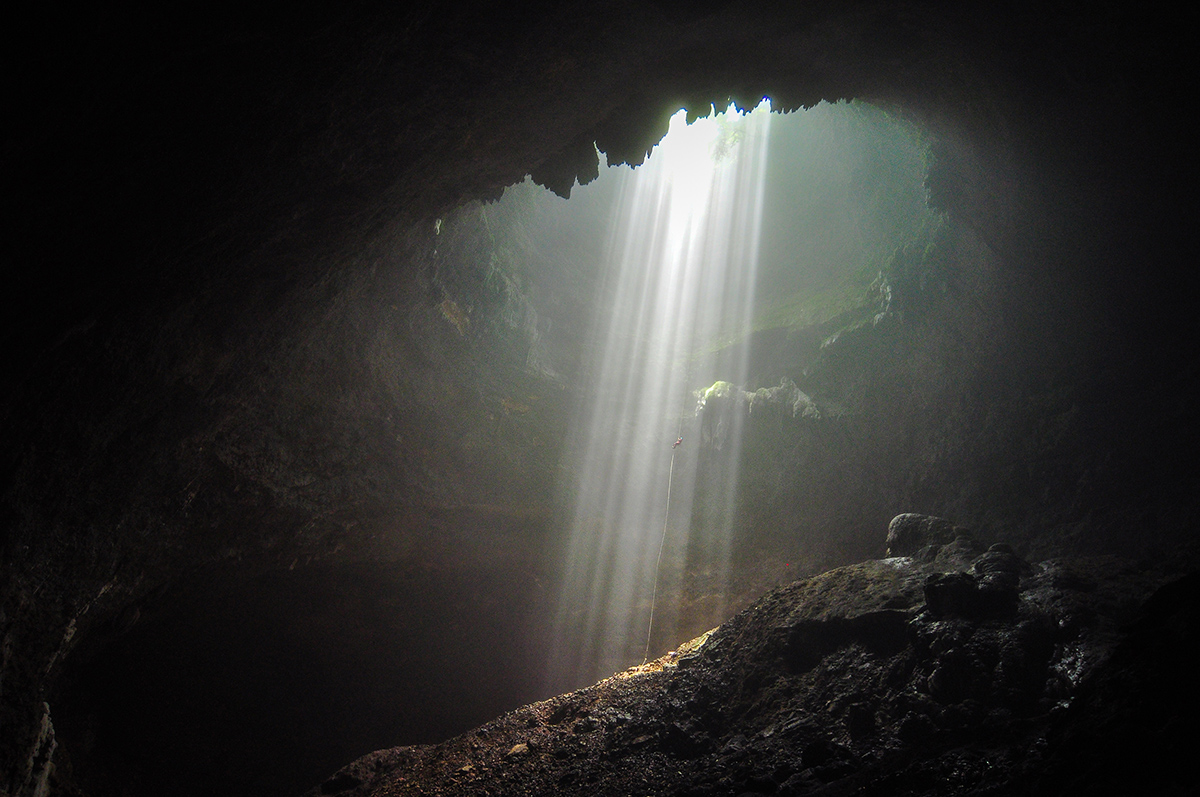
pixel 856 682
pixel 911 533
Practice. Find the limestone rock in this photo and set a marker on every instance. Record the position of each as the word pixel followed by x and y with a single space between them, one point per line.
pixel 910 533
pixel 808 688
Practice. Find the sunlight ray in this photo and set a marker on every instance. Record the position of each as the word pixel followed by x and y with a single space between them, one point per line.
pixel 683 261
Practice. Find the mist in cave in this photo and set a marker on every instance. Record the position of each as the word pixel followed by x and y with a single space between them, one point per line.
pixel 737 226
pixel 652 471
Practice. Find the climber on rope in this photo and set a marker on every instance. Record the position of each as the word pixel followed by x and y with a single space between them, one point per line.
pixel 677 444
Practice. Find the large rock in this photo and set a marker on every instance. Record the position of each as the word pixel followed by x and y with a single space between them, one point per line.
pixel 910 533
pixel 842 683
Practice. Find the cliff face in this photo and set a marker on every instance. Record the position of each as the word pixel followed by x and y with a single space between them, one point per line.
pixel 250 324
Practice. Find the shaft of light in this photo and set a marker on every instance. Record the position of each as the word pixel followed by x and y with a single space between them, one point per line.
pixel 682 266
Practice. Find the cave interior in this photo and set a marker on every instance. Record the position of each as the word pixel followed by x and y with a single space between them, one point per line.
pixel 305 319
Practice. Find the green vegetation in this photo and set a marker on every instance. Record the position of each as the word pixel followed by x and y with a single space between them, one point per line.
pixel 731 129
pixel 848 231
pixel 719 389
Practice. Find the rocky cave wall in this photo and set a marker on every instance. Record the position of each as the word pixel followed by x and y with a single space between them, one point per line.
pixel 233 336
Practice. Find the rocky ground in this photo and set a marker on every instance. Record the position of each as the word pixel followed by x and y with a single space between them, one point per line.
pixel 948 670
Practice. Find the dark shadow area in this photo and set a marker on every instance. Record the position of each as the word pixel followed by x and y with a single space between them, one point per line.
pixel 264 684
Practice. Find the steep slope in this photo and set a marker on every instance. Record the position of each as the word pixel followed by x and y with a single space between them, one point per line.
pixel 947 672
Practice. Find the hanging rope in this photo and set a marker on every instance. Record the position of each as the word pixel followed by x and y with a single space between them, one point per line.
pixel 662 543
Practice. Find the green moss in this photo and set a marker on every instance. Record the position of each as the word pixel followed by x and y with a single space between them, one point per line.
pixel 720 389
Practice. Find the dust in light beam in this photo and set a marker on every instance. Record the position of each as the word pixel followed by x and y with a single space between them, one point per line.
pixel 681 266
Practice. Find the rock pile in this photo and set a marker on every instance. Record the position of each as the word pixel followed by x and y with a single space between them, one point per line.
pixel 892 676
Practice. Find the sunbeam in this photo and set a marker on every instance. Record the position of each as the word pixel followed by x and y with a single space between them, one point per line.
pixel 683 258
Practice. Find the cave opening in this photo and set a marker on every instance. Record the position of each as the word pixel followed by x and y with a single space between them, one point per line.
pixel 261 682
pixel 821 205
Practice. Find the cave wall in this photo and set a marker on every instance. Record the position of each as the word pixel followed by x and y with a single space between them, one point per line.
pixel 234 336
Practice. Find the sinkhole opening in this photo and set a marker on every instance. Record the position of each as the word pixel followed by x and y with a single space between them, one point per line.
pixel 678 311
pixel 718 273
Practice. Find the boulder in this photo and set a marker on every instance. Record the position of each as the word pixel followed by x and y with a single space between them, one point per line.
pixel 910 533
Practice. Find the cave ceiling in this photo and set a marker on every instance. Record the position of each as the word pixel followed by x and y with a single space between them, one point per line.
pixel 190 192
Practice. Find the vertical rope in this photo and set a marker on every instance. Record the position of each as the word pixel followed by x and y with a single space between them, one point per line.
pixel 658 562
pixel 662 543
